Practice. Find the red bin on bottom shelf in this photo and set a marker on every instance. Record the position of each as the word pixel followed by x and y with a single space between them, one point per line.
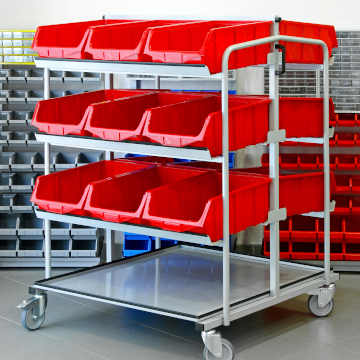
pixel 298 193
pixel 66 191
pixel 195 204
pixel 122 198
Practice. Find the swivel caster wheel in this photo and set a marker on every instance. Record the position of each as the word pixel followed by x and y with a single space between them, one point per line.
pixel 227 352
pixel 30 320
pixel 33 312
pixel 315 309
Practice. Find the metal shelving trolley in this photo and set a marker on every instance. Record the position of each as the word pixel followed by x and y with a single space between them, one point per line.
pixel 208 286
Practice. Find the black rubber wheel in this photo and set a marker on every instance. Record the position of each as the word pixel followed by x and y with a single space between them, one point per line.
pixel 318 311
pixel 30 321
pixel 227 349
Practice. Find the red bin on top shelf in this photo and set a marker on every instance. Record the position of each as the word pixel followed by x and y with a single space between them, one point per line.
pixel 66 191
pixel 123 41
pixel 306 53
pixel 204 43
pixel 68 114
pixel 66 40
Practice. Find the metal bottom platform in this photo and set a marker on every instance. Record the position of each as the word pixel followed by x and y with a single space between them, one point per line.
pixel 181 281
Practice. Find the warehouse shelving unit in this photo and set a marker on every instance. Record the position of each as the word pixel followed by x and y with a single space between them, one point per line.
pixel 175 275
pixel 343 74
pixel 22 160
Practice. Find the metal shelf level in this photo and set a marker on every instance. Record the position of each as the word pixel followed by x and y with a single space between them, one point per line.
pixel 127 147
pixel 127 227
pixel 142 68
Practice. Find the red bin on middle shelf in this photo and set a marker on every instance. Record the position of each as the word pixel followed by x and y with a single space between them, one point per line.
pixel 121 119
pixel 200 124
pixel 68 115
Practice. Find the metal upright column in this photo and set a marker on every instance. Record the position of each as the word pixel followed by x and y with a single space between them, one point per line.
pixel 157 86
pixel 225 186
pixel 47 226
pixel 326 154
pixel 274 169
pixel 109 155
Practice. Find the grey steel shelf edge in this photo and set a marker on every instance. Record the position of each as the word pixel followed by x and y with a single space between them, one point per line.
pixel 126 147
pixel 138 68
pixel 144 149
pixel 137 229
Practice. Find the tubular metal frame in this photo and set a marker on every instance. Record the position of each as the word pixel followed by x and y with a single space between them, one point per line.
pixel 276 294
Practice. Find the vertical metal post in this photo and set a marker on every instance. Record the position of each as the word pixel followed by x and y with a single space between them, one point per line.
pixel 317 83
pixel 225 187
pixel 157 239
pixel 274 171
pixel 47 225
pixel 109 81
pixel 326 154
pixel 157 82
pixel 109 155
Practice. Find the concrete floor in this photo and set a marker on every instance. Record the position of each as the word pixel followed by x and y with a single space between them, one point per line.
pixel 81 329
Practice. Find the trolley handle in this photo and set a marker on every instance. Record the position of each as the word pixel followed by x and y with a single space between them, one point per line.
pixel 283 61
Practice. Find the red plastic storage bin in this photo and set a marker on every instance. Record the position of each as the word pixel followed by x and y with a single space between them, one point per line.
pixel 204 43
pixel 185 42
pixel 337 233
pixel 195 204
pixel 352 238
pixel 66 191
pixel 125 118
pixel 284 232
pixel 199 123
pixel 347 205
pixel 122 42
pixel 345 139
pixel 348 184
pixel 305 240
pixel 69 114
pixel 303 117
pixel 347 120
pixel 305 53
pixel 299 193
pixel 343 162
pixel 122 198
pixel 66 40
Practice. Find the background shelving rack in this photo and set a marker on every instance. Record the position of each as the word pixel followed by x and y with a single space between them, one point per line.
pixel 22 235
pixel 264 282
